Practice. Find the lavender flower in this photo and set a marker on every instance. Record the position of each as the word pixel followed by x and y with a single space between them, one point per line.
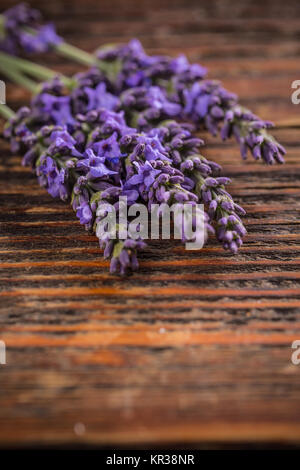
pixel 250 132
pixel 122 252
pixel 19 23
pixel 208 103
pixel 84 213
pixel 148 106
pixel 109 148
pixel 132 67
pixel 201 176
pixel 204 101
pixel 94 166
pixel 51 177
pixel 222 210
pixel 86 97
pixel 84 177
pixel 145 175
pixel 52 105
pixel 18 132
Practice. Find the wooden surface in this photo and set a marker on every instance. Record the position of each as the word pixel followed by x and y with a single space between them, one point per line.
pixel 194 349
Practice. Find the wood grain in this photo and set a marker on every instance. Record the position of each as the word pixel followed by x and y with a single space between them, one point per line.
pixel 195 348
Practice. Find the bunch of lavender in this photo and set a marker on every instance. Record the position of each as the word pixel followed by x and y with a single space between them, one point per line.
pixel 171 142
pixel 97 159
pixel 163 164
pixel 205 102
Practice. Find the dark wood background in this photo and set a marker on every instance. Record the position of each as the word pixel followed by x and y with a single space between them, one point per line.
pixel 194 349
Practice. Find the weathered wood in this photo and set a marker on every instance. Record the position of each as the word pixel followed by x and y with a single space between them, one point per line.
pixel 195 348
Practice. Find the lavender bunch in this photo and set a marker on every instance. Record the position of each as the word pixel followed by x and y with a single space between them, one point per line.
pixel 76 139
pixel 171 145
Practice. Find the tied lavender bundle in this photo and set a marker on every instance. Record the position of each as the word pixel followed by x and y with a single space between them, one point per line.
pixel 93 157
pixel 127 66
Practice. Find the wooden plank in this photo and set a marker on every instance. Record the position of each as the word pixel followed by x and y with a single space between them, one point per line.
pixel 195 348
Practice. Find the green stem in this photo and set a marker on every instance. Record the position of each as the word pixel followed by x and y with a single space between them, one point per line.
pixel 15 76
pixel 74 53
pixel 82 57
pixel 71 52
pixel 2 32
pixel 67 50
pixel 6 112
pixel 31 68
pixel 36 71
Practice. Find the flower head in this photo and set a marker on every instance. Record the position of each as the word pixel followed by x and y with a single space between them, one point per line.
pixel 145 175
pixel 94 166
pixel 109 149
pixel 53 178
pixel 16 39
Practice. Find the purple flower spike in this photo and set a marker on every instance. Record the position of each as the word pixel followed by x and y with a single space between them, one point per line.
pixel 84 214
pixel 167 87
pixel 16 40
pixel 52 178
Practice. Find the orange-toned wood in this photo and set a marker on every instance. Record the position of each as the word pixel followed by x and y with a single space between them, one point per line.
pixel 195 348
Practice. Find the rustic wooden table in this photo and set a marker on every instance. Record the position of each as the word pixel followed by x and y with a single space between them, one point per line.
pixel 194 349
